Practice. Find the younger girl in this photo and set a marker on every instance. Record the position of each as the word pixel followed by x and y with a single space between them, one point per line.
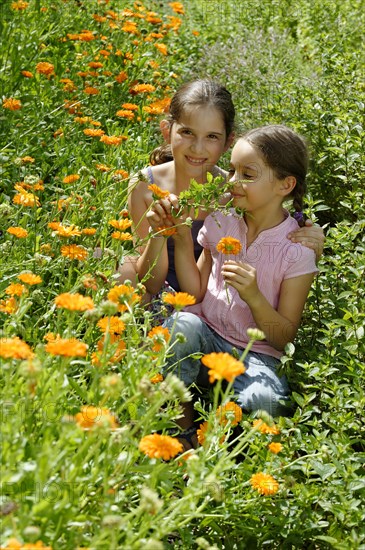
pixel 197 131
pixel 266 283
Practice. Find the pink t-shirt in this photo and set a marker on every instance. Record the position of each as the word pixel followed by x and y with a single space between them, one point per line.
pixel 275 259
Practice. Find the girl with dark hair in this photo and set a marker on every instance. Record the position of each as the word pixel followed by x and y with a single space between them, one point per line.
pixel 262 284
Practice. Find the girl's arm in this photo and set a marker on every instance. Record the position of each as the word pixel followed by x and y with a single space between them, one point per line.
pixel 311 236
pixel 279 326
pixel 153 261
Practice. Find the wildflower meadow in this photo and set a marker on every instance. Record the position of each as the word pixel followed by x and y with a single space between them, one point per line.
pixel 90 459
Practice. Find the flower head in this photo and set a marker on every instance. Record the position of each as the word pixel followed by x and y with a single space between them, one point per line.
pixel 222 365
pixel 142 89
pixel 112 324
pixel 74 302
pixel 264 428
pixel 159 336
pixel 12 104
pixel 121 225
pixel 229 245
pixel 91 417
pixel 160 446
pixel 265 484
pixel 30 278
pixel 9 306
pixel 15 289
pixel 15 348
pixel 45 68
pixel 275 447
pixel 230 413
pixel 122 236
pixel 179 299
pixel 124 296
pixel 65 231
pixel 67 347
pixel 18 232
pixel 112 140
pixel 71 178
pixel 74 252
pixel 157 192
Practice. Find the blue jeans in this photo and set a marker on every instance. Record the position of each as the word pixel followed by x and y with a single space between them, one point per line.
pixel 259 387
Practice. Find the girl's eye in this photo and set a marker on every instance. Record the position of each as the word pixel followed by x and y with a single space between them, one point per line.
pixel 212 136
pixel 231 171
pixel 186 132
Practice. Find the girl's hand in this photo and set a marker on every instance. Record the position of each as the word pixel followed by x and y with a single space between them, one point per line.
pixel 160 214
pixel 242 277
pixel 311 236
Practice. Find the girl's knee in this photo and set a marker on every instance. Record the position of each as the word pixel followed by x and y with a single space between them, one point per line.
pixel 253 399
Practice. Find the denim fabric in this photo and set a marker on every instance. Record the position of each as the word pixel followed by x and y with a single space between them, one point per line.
pixel 259 387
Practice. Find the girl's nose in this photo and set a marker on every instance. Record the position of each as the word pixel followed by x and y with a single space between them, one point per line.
pixel 197 146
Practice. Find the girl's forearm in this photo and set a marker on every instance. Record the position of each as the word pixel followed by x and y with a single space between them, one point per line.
pixel 278 330
pixel 153 264
pixel 187 272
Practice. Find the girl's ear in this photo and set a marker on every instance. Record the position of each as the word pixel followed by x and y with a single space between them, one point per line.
pixel 229 141
pixel 287 185
pixel 165 127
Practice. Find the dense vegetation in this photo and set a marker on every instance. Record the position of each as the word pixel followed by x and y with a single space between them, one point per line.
pixel 84 85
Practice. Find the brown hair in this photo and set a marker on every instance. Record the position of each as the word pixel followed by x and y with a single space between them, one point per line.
pixel 286 153
pixel 201 92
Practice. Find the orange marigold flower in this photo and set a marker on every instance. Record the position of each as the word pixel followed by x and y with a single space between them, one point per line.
pixel 122 236
pixel 264 428
pixel 89 281
pixel 195 33
pixel 222 365
pixel 112 140
pixel 130 106
pixel 114 354
pixel 19 5
pixel 124 113
pixel 91 417
pixel 74 302
pixel 130 27
pixel 157 192
pixel 229 245
pixel 67 347
pixel 162 48
pixel 179 299
pixel 156 378
pixel 95 64
pixel 265 484
pixel 102 167
pixel 123 295
pixel 166 231
pixel 160 446
pixel 18 232
pixel 121 77
pixel 141 89
pixel 201 433
pixel 275 447
pixel 158 107
pixel 177 7
pixel 74 252
pixel 89 231
pixel 122 225
pixel 121 174
pixel 16 289
pixel 54 225
pixel 27 160
pixel 45 68
pixel 15 348
pixel 12 104
pixel 67 231
pixel 8 306
pixel 175 23
pixel 26 199
pixel 71 178
pixel 159 336
pixel 90 90
pixel 29 278
pixel 113 325
pixel 93 132
pixel 27 74
pixel 230 413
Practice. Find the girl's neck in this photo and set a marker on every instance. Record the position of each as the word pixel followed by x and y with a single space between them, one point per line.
pixel 256 224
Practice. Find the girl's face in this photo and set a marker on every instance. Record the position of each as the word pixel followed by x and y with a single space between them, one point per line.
pixel 197 141
pixel 254 184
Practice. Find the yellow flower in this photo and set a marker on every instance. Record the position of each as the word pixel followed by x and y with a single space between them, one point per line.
pixel 67 231
pixel 162 48
pixel 93 132
pixel 30 278
pixel 177 7
pixel 18 232
pixel 19 5
pixel 130 106
pixel 118 347
pixel 230 413
pixel 74 302
pixel 156 378
pixel 122 236
pixel 45 68
pixel 121 225
pixel 265 484
pixel 275 447
pixel 121 77
pixel 91 417
pixel 67 347
pixel 179 299
pixel 12 104
pixel 112 324
pixel 26 199
pixel 112 140
pixel 90 90
pixel 28 160
pixel 125 113
pixel 89 231
pixel 74 252
pixel 229 245
pixel 222 365
pixel 15 348
pixel 159 335
pixel 9 306
pixel 141 89
pixel 27 74
pixel 102 167
pixel 123 295
pixel 71 178
pixel 160 446
pixel 157 192
pixel 264 428
pixel 201 433
pixel 15 289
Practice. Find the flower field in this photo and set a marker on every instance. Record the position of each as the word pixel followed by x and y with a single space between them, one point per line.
pixel 89 453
